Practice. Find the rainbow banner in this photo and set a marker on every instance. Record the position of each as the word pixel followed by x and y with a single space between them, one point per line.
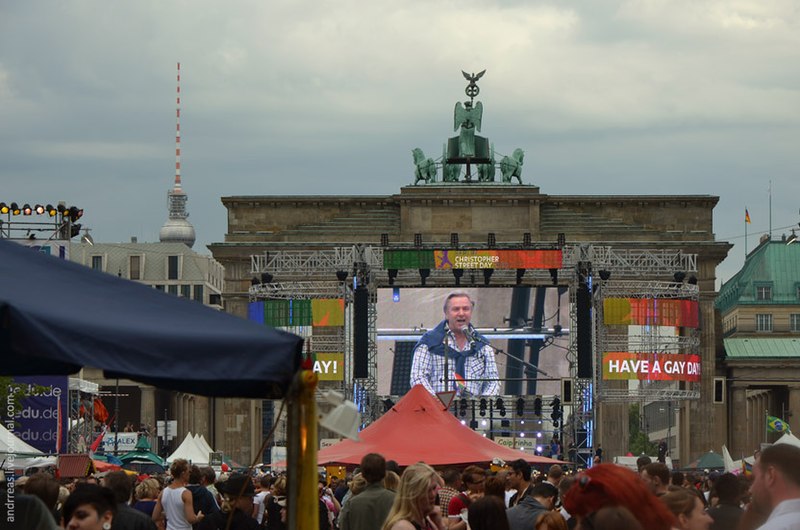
pixel 651 312
pixel 327 311
pixel 651 366
pixel 497 259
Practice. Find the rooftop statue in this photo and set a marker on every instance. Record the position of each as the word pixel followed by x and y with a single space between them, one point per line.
pixel 468 150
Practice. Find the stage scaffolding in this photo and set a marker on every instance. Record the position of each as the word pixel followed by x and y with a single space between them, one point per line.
pixel 306 274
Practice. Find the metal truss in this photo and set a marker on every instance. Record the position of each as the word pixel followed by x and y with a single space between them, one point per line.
pixel 296 290
pixel 315 263
pixel 651 288
pixel 625 395
pixel 630 262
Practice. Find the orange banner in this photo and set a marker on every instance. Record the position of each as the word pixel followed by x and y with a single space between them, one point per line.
pixel 497 259
pixel 651 312
pixel 651 366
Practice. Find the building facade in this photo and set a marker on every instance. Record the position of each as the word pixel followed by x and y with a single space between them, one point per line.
pixel 177 270
pixel 760 316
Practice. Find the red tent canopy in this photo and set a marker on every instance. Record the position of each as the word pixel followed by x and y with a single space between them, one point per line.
pixel 419 428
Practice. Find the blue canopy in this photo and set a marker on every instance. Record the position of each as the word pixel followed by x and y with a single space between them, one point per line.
pixel 57 317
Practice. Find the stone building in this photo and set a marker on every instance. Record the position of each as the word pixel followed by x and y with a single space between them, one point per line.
pixel 178 271
pixel 760 314
pixel 430 213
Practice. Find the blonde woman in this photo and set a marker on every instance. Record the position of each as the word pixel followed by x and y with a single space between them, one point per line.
pixel 414 506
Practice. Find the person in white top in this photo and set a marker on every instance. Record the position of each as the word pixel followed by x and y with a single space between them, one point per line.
pixel 776 486
pixel 175 501
pixel 262 490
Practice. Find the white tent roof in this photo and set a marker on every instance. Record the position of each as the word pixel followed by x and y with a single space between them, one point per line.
pixel 630 461
pixel 201 442
pixel 790 439
pixel 189 450
pixel 10 444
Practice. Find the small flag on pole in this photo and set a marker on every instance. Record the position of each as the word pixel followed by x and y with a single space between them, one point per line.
pixel 460 383
pixel 747 469
pixel 746 216
pixel 776 424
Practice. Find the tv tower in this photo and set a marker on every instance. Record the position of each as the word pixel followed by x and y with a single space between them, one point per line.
pixel 177 229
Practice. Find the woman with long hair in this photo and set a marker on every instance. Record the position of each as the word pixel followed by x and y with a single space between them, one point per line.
pixel 175 501
pixel 488 513
pixel 688 509
pixel 551 521
pixel 611 485
pixel 89 507
pixel 414 505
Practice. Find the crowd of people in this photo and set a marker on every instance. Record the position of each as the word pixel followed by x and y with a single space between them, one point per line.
pixel 378 495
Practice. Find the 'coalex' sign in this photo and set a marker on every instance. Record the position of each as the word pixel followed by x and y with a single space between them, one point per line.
pixel 651 366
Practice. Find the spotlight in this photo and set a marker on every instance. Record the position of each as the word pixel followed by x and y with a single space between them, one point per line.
pixel 554 276
pixel 562 239
pixel 387 405
pixel 392 273
pixel 520 406
pixel 51 210
pixel 457 274
pixel 341 276
pixel 526 239
pixel 500 406
pixel 487 276
pixel 417 240
pixel 473 424
pixel 75 213
pixel 39 209
pixel 454 239
pixel 255 281
pixel 4 208
pixel 423 275
pixel 791 239
pixel 266 277
pixel 14 208
pixel 62 210
pixel 537 406
pixel 462 407
pixel 520 274
pixel 692 280
pixel 384 240
pixel 483 406
pixel 605 275
pixel 26 209
pixel 491 240
pixel 679 276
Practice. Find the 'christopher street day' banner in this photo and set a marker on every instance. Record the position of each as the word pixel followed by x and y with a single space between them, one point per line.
pixel 651 366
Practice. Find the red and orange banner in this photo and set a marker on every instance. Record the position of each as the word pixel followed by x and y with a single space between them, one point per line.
pixel 497 259
pixel 651 366
pixel 651 312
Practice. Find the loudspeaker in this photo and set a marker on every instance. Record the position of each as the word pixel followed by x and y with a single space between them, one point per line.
pixel 583 317
pixel 719 390
pixel 566 391
pixel 360 333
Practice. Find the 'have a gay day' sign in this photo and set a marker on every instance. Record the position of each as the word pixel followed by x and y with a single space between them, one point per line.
pixel 651 366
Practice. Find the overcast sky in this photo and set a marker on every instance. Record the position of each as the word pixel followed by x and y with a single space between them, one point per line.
pixel 298 97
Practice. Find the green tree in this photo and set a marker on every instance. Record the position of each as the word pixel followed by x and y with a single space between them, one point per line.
pixel 637 441
pixel 11 396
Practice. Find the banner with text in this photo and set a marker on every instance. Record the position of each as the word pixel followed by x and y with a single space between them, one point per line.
pixel 329 366
pixel 41 420
pixel 497 259
pixel 651 366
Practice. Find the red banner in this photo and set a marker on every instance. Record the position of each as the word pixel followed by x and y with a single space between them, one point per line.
pixel 497 259
pixel 651 366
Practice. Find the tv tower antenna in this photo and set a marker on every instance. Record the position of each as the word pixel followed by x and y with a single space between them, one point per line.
pixel 178 132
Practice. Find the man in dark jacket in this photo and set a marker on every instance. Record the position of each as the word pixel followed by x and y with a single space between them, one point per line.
pixel 126 517
pixel 542 498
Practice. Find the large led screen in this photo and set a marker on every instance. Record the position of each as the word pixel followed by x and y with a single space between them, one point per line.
pixel 528 322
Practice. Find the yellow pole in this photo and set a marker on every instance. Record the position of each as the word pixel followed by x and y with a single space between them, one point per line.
pixel 308 496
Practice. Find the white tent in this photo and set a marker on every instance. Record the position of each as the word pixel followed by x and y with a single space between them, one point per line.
pixel 630 461
pixel 17 454
pixel 790 439
pixel 191 451
pixel 201 442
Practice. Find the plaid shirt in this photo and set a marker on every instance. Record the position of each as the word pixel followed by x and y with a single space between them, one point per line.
pixel 427 369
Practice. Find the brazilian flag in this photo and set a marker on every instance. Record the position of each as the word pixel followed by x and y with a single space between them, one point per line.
pixel 776 424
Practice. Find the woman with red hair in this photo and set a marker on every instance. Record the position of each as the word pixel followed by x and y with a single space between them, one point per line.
pixel 611 485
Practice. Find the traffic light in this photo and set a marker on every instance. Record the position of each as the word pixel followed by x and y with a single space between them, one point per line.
pixel 537 406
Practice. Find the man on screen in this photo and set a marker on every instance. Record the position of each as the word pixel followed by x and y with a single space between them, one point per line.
pixel 453 356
